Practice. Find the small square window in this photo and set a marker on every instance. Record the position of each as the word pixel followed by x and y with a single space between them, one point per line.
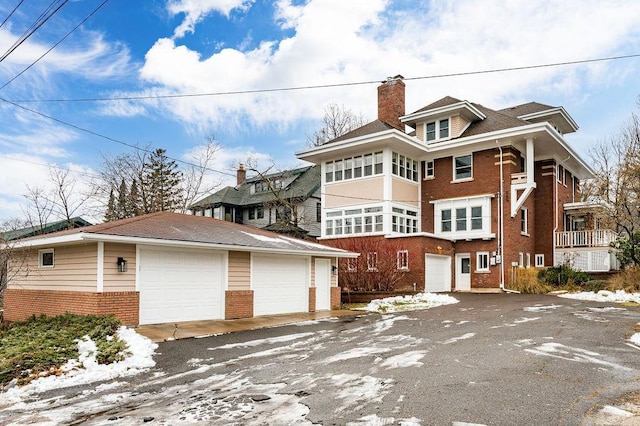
pixel 427 170
pixel 46 258
pixel 539 261
pixel 352 265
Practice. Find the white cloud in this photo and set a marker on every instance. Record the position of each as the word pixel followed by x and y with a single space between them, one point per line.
pixel 337 42
pixel 196 10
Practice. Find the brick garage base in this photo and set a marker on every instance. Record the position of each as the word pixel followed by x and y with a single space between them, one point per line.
pixel 21 304
pixel 238 304
pixel 312 299
pixel 335 298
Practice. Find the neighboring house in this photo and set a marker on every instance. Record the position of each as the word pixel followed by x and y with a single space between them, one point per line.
pixel 170 267
pixel 287 202
pixel 30 231
pixel 463 197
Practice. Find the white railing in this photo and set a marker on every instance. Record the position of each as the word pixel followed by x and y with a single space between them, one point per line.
pixel 593 238
pixel 518 178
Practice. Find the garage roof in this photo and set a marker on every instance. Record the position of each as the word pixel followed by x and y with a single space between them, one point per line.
pixel 175 229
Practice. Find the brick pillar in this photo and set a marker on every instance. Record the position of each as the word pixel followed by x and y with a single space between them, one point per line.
pixel 335 298
pixel 312 299
pixel 238 304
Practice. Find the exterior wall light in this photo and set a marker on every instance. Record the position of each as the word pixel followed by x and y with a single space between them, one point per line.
pixel 122 264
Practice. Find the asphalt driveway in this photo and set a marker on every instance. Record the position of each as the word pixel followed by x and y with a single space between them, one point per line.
pixel 491 359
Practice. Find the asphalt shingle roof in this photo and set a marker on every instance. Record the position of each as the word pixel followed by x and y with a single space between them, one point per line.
pixel 179 227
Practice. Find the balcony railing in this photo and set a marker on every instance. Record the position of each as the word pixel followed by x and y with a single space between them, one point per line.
pixel 518 178
pixel 593 238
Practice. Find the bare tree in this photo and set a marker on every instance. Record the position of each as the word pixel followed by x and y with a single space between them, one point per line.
pixel 194 184
pixel 68 201
pixel 10 253
pixel 337 121
pixel 39 207
pixel 617 183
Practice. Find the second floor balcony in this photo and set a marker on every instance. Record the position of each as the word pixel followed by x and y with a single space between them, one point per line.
pixel 590 238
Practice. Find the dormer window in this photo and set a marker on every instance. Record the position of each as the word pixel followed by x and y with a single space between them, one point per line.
pixel 436 130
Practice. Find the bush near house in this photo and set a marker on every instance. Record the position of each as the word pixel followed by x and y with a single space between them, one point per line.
pixel 627 280
pixel 559 276
pixel 41 345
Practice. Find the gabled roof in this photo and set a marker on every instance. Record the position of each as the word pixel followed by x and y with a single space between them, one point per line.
pixel 445 106
pixel 76 222
pixel 535 112
pixel 494 121
pixel 296 183
pixel 176 229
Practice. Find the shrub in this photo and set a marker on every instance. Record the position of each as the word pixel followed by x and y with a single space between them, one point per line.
pixel 560 276
pixel 627 280
pixel 527 282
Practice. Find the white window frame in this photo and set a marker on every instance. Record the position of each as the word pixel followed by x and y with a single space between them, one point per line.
pixel 402 260
pixel 352 265
pixel 521 260
pixel 455 169
pixel 528 260
pixel 437 130
pixel 539 259
pixel 524 221
pixel 482 261
pixel 41 254
pixel 483 201
pixel 429 169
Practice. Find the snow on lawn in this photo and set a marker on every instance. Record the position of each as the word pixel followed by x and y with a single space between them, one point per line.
pixel 86 369
pixel 619 296
pixel 409 303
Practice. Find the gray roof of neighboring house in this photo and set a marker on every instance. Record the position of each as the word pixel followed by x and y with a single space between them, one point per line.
pixel 74 222
pixel 192 230
pixel 296 183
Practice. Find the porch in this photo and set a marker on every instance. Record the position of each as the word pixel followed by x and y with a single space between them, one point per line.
pixel 588 251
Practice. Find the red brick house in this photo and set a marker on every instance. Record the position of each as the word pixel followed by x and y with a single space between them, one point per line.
pixel 458 193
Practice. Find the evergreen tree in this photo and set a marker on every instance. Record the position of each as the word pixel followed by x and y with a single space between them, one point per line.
pixel 123 209
pixel 161 184
pixel 135 199
pixel 111 213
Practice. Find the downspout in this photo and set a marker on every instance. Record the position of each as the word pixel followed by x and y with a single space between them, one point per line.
pixel 501 220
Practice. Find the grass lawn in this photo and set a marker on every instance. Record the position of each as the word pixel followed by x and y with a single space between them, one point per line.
pixel 39 346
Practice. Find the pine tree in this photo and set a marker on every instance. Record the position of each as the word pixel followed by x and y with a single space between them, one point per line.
pixel 161 183
pixel 111 214
pixel 122 208
pixel 135 199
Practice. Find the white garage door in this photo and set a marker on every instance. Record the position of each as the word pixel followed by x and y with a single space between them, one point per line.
pixel 180 285
pixel 437 273
pixel 280 284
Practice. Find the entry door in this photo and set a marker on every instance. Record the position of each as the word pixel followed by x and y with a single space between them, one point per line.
pixel 463 272
pixel 323 284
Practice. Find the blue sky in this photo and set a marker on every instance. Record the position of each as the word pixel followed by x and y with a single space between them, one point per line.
pixel 159 47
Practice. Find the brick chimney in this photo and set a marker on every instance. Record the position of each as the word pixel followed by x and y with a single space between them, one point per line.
pixel 241 175
pixel 391 101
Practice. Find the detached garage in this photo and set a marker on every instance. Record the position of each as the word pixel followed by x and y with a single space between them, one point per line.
pixel 169 267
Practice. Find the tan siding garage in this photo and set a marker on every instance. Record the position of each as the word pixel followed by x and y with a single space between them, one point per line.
pixel 180 285
pixel 280 284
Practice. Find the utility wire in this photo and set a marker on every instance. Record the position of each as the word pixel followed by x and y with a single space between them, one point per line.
pixel 325 86
pixel 40 21
pixel 56 44
pixel 91 132
pixel 11 13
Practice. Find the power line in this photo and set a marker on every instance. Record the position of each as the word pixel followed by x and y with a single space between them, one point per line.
pixel 11 13
pixel 326 86
pixel 99 135
pixel 56 44
pixel 40 21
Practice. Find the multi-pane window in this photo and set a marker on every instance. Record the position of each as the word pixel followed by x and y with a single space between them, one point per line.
pixel 482 261
pixel 403 260
pixel 353 167
pixel 463 217
pixel 354 221
pixel 372 261
pixel 427 169
pixel 352 265
pixel 462 167
pixel 437 130
pixel 404 221
pixel 539 260
pixel 252 213
pixel 404 167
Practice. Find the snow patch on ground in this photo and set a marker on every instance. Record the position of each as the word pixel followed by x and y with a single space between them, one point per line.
pixel 358 391
pixel 619 296
pixel 257 342
pixel 407 359
pixel 457 339
pixel 86 369
pixel 568 353
pixel 410 303
pixel 541 308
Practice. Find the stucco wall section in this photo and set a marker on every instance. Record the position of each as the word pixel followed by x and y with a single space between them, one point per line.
pixel 75 269
pixel 405 192
pixel 342 194
pixel 113 279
